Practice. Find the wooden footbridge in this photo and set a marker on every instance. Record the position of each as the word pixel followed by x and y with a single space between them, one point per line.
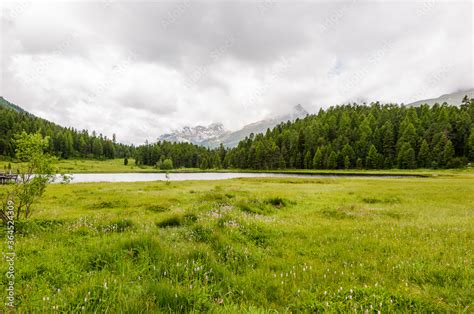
pixel 8 178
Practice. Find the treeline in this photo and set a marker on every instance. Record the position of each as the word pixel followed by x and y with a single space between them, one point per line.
pixel 64 142
pixel 372 136
pixel 182 155
pixel 359 136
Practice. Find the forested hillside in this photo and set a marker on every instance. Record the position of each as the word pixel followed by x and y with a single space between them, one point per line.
pixel 373 137
pixel 64 142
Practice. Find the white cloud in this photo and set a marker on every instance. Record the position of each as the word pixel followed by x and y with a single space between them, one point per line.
pixel 141 69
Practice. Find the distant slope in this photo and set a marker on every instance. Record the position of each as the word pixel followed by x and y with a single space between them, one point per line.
pixel 233 138
pixel 5 103
pixel 451 99
pixel 64 142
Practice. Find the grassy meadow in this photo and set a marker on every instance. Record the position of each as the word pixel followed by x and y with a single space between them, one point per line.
pixel 256 245
pixel 117 166
pixel 90 166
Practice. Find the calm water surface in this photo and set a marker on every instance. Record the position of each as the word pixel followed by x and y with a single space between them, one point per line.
pixel 143 177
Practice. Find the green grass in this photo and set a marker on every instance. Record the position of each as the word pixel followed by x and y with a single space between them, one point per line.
pixel 117 166
pixel 91 166
pixel 300 245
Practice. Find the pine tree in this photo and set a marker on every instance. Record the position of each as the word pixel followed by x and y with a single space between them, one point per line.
pixel 307 160
pixel 347 153
pixel 406 157
pixel 347 162
pixel 372 161
pixel 318 159
pixel 470 145
pixel 332 160
pixel 217 162
pixel 424 155
pixel 448 153
pixel 204 163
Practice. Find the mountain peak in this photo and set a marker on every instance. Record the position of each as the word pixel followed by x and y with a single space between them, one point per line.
pixel 215 133
pixel 298 109
pixel 196 135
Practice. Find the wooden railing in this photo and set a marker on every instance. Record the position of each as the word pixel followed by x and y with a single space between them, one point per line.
pixel 8 178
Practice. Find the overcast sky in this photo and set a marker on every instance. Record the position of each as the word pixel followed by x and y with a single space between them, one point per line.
pixel 139 69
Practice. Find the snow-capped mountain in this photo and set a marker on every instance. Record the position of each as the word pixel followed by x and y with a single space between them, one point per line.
pixel 196 135
pixel 215 134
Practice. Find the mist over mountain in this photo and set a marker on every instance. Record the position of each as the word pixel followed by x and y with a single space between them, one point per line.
pixel 215 134
pixel 451 99
pixel 5 103
pixel 196 135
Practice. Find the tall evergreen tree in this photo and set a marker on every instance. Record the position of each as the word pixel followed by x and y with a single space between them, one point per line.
pixel 318 161
pixel 406 157
pixel 424 155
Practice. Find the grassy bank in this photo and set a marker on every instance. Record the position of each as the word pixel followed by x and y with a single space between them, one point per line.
pixel 91 166
pixel 249 245
pixel 117 166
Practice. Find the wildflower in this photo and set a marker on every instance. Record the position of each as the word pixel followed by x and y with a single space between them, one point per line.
pixel 350 297
pixel 105 285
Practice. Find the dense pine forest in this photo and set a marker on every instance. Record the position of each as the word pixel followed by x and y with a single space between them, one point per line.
pixel 371 136
pixel 181 155
pixel 64 142
pixel 343 137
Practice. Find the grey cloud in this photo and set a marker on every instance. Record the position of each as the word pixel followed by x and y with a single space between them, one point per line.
pixel 201 61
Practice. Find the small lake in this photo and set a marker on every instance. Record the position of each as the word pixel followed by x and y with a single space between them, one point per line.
pixel 144 177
